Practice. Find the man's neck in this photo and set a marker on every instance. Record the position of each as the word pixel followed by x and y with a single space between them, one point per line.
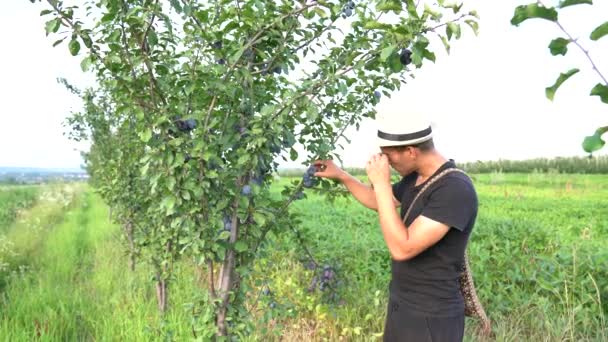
pixel 428 165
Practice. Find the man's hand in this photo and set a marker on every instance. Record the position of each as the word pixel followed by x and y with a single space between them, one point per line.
pixel 378 171
pixel 328 170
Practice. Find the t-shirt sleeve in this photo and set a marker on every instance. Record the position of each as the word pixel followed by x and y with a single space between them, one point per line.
pixel 398 189
pixel 453 203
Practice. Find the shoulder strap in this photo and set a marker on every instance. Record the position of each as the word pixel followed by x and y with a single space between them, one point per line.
pixel 427 185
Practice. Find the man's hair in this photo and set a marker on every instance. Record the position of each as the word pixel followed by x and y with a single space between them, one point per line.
pixel 424 146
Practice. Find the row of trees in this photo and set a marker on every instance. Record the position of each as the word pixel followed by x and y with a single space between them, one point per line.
pixel 195 101
pixel 585 165
pixel 595 165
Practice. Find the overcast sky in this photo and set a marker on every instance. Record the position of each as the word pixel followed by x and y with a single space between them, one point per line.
pixel 486 99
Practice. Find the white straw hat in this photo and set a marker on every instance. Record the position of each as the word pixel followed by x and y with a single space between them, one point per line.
pixel 396 128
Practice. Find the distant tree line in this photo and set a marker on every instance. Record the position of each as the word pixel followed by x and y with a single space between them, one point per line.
pixel 586 165
pixel 593 165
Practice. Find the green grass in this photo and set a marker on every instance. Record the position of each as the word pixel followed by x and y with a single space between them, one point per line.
pixel 77 285
pixel 538 255
pixel 14 199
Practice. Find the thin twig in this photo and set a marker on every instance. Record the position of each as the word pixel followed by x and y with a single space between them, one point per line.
pixel 443 24
pixel 575 41
pixel 585 51
pixel 147 31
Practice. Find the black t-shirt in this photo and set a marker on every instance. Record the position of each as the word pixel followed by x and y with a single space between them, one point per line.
pixel 428 283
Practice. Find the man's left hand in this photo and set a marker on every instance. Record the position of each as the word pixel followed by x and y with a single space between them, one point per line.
pixel 378 171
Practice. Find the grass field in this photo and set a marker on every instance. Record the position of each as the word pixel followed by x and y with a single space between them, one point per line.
pixel 538 253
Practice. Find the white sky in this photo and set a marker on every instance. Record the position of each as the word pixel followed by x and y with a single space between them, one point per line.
pixel 486 100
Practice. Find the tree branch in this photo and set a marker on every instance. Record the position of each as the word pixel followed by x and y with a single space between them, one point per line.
pixel 443 24
pixel 585 51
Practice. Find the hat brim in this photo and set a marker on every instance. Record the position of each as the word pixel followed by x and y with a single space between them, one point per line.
pixel 386 143
pixel 388 139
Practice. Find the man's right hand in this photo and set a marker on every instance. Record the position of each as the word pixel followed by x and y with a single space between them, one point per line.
pixel 328 170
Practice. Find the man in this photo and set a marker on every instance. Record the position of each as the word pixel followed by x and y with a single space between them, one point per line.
pixel 427 251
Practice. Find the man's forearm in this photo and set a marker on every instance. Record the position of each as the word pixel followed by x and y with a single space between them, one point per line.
pixel 394 231
pixel 363 193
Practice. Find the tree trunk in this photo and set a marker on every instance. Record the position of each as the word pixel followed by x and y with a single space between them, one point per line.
pixel 132 251
pixel 225 278
pixel 161 294
pixel 225 287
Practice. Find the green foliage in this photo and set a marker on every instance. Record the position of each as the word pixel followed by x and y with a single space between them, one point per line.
pixel 601 91
pixel 599 31
pixel 595 141
pixel 559 46
pixel 566 3
pixel 536 10
pixel 550 91
pixel 14 199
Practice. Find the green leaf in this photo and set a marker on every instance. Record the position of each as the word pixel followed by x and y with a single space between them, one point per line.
pixel 412 9
pixel 293 154
pixel 152 38
pixel 474 13
pixel 394 63
pixel 171 183
pixel 473 25
pixel 550 91
pixel 525 12
pixel 240 246
pixel 559 46
pixel 58 42
pixel 320 12
pixel 454 6
pixel 376 25
pixel 446 44
pixel 599 31
pixel 86 63
pixel 600 90
pixel 259 218
pixel 169 204
pixel 87 40
pixel 386 52
pixel 594 142
pixel 224 235
pixel 389 5
pixel 176 5
pixel 146 135
pixel 429 55
pixel 566 3
pixel 453 29
pixel 144 169
pixel 45 12
pixel 74 46
pixel 52 26
pixel 108 17
pixel 343 88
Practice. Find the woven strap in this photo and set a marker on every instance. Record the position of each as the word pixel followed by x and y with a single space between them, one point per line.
pixel 473 307
pixel 426 186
